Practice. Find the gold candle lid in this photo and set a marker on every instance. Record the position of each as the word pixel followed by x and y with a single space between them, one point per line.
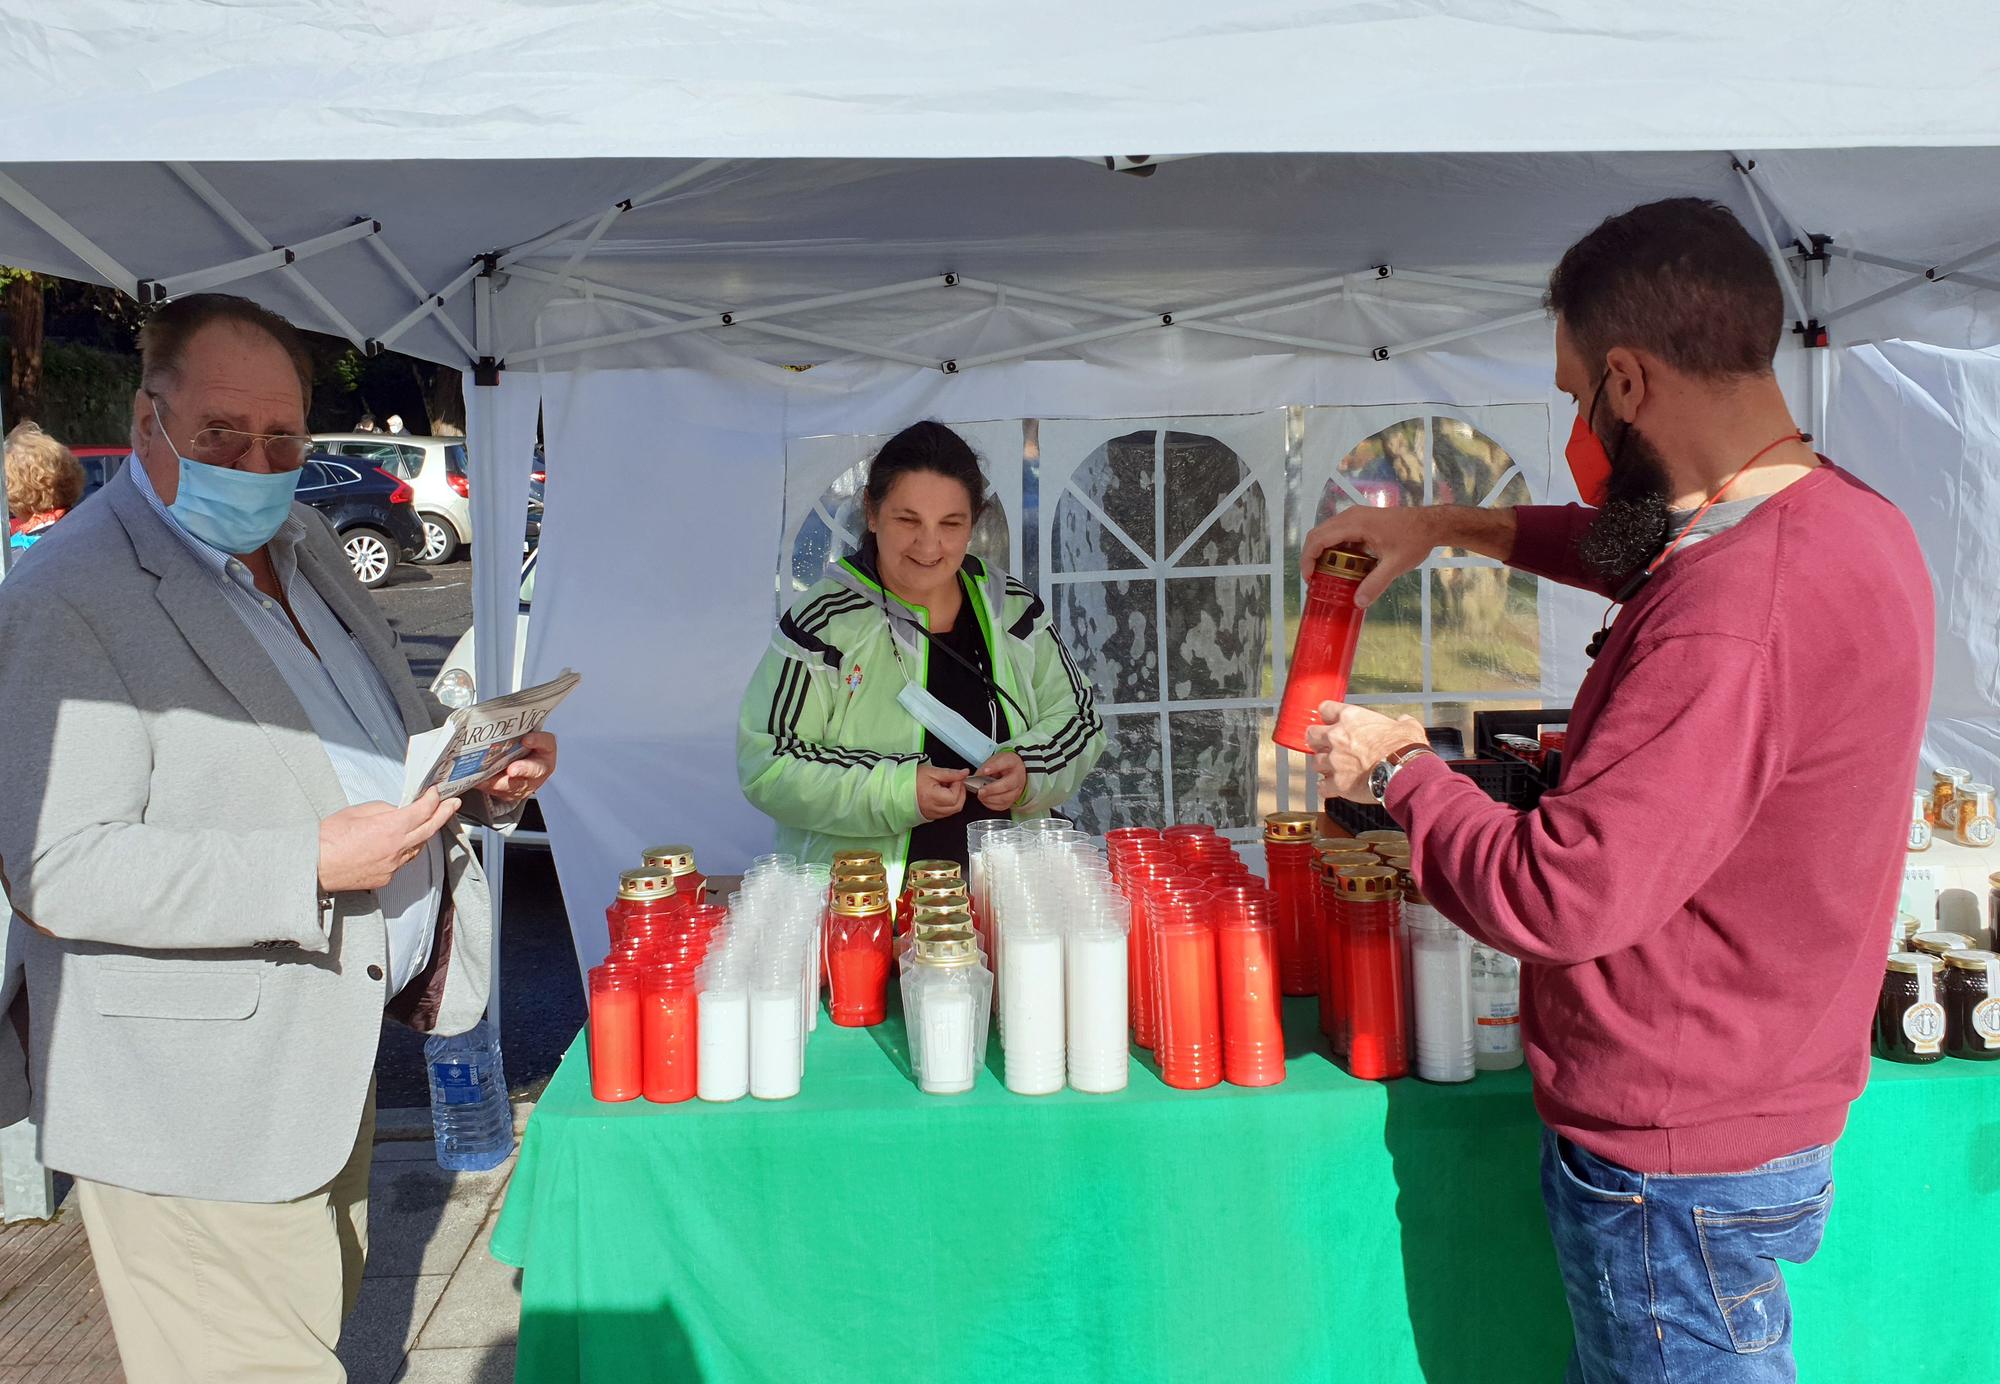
pixel 933 871
pixel 1289 826
pixel 1348 563
pixel 859 903
pixel 1366 882
pixel 953 948
pixel 679 859
pixel 646 883
pixel 1384 834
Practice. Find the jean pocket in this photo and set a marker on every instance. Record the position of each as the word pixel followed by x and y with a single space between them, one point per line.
pixel 1741 1250
pixel 1588 1175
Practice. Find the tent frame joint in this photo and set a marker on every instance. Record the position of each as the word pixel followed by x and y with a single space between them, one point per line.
pixel 486 371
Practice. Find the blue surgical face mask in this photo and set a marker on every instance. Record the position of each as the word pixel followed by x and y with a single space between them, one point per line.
pixel 233 511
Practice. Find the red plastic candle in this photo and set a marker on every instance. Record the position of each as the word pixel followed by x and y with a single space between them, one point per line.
pixel 689 881
pixel 1323 656
pixel 1376 1016
pixel 1146 882
pixel 667 1038
pixel 859 954
pixel 614 1033
pixel 1246 960
pixel 1189 997
pixel 1288 861
pixel 642 894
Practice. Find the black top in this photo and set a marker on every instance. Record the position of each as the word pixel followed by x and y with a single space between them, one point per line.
pixel 958 688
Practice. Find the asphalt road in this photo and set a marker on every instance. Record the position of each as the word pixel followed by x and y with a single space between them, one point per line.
pixel 541 993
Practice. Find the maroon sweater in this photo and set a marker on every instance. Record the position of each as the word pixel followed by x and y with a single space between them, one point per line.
pixel 1702 908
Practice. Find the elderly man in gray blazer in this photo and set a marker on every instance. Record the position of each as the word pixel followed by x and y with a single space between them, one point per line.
pixel 205 725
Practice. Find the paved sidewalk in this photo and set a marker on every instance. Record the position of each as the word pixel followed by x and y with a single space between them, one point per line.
pixel 435 1307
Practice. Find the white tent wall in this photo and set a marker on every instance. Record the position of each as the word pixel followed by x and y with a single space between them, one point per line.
pixel 659 577
pixel 1921 423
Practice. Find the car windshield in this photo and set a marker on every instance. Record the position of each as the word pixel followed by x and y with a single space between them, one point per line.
pixel 454 459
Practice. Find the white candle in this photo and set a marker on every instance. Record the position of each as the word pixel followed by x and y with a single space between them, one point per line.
pixel 1441 985
pixel 722 1063
pixel 1095 996
pixel 776 1046
pixel 944 1051
pixel 1031 997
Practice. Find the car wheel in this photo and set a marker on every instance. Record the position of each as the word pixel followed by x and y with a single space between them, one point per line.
pixel 440 541
pixel 372 555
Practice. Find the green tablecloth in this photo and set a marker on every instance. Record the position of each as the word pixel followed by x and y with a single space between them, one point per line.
pixel 1325 1229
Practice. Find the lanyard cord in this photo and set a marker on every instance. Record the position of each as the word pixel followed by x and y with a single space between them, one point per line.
pixel 992 687
pixel 1638 582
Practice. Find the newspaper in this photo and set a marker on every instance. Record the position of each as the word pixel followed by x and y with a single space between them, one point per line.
pixel 476 742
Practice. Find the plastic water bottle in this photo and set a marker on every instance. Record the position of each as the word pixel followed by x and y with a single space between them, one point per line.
pixel 470 1116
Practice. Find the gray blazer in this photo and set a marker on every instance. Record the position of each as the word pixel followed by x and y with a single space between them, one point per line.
pixel 199 1021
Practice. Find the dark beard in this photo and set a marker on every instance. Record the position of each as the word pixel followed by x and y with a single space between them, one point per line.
pixel 1631 524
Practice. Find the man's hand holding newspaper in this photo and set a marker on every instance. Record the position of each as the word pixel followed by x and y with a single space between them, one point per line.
pixel 498 746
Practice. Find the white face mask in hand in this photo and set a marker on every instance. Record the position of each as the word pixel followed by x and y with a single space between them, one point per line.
pixel 967 741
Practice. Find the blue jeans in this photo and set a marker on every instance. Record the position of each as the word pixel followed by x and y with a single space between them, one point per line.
pixel 1674 1279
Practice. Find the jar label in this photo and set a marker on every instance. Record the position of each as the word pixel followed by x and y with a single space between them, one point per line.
pixel 1920 835
pixel 1979 831
pixel 1498 1029
pixel 1923 1025
pixel 1986 1021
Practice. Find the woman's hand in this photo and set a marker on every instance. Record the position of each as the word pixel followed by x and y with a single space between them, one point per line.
pixel 940 792
pixel 1010 781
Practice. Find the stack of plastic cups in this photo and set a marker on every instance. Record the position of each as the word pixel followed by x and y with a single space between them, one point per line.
pixel 783 913
pixel 977 837
pixel 1002 863
pixel 1375 1017
pixel 1188 991
pixel 613 1027
pixel 722 1018
pixel 1096 982
pixel 1247 971
pixel 1441 1017
pixel 808 893
pixel 1396 855
pixel 1288 861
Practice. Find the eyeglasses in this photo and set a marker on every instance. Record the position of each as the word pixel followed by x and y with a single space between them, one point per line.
pixel 227 446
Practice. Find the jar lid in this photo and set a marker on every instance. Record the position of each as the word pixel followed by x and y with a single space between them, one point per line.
pixel 953 948
pixel 1910 963
pixel 1977 790
pixel 1970 958
pixel 1943 776
pixel 1348 563
pixel 1365 882
pixel 1289 826
pixel 1382 834
pixel 679 859
pixel 940 871
pixel 648 882
pixel 1908 925
pixel 859 903
pixel 1942 941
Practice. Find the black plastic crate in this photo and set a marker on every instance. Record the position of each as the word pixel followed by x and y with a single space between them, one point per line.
pixel 1488 726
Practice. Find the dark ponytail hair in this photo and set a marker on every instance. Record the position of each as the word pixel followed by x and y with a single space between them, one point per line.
pixel 925 446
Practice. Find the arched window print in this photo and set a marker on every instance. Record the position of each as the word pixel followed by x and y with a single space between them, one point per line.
pixel 834 526
pixel 1462 631
pixel 1162 578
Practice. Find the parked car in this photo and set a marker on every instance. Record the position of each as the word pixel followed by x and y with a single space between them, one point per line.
pixel 435 467
pixel 373 512
pixel 455 685
pixel 100 464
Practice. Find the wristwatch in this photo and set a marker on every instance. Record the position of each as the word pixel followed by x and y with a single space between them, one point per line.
pixel 1379 776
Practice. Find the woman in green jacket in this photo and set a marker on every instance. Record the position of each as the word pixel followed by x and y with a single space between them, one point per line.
pixel 829 742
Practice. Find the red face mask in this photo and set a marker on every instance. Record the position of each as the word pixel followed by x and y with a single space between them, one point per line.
pixel 1589 463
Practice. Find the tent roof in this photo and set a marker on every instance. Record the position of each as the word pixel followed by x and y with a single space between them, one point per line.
pixel 530 79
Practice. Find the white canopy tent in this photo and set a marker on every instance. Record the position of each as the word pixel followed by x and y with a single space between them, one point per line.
pixel 631 220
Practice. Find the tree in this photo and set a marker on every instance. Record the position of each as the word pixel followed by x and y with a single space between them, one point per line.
pixel 444 398
pixel 23 296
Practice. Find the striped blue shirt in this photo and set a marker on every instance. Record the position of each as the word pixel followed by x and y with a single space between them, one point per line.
pixel 346 702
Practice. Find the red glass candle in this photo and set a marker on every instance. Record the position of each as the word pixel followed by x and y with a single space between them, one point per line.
pixel 614 1033
pixel 1246 961
pixel 1331 955
pixel 689 881
pixel 1323 656
pixel 1189 993
pixel 1288 862
pixel 859 953
pixel 642 894
pixel 1150 883
pixel 667 1036
pixel 1377 1017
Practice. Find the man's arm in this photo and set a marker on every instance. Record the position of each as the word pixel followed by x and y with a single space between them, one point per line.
pixel 1538 539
